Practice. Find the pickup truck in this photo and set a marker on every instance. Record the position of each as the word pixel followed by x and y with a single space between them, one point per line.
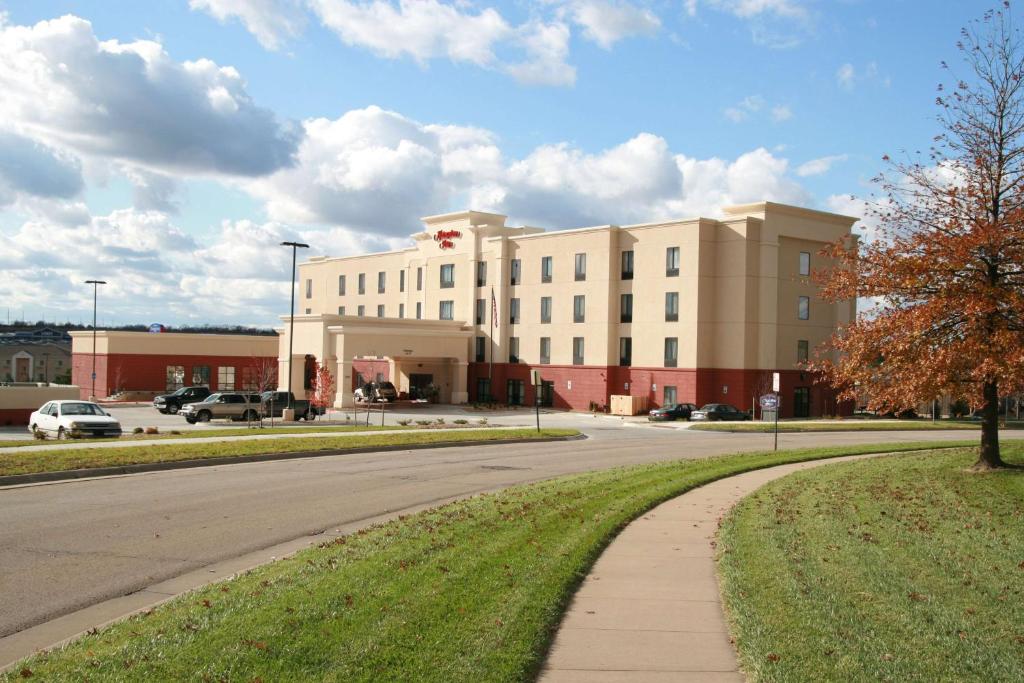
pixel 172 403
pixel 273 404
pixel 224 406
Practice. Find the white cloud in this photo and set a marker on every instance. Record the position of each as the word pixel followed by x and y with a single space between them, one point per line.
pixel 777 24
pixel 272 21
pixel 846 75
pixel 131 102
pixel 547 48
pixel 421 29
pixel 819 166
pixel 781 113
pixel 608 21
pixel 747 9
pixel 752 105
pixel 30 168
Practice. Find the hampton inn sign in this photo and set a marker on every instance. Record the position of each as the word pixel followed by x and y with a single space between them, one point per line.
pixel 444 238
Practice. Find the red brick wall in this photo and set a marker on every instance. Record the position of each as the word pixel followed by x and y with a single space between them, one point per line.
pixel 15 416
pixel 700 386
pixel 369 369
pixel 146 373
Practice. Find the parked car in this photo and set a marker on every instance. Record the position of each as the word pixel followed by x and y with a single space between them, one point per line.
pixel 719 411
pixel 224 406
pixel 172 403
pixel 672 411
pixel 73 419
pixel 273 403
pixel 376 392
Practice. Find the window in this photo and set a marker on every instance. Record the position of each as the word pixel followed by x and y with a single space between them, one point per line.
pixel 341 310
pixel 341 285
pixel 401 310
pixel 481 344
pixel 308 311
pixel 447 310
pixel 581 267
pixel 513 310
pixel 401 280
pixel 546 269
pixel 481 273
pixel 579 308
pixel 670 396
pixel 516 392
pixel 513 349
pixel 577 350
pixel 805 263
pixel 309 289
pixel 481 307
pixel 545 309
pixel 226 378
pixel 251 379
pixel 802 348
pixel 201 375
pixel 626 308
pixel 672 262
pixel 625 351
pixel 627 265
pixel 671 352
pixel 671 307
pixel 175 377
pixel 483 389
pixel 448 276
pixel 361 310
pixel 802 402
pixel 362 283
pixel 803 308
pixel 515 271
pixel 545 350
pixel 419 278
pixel 419 310
pixel 380 310
pixel 381 281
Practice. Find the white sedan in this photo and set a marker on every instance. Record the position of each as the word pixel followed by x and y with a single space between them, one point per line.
pixel 73 419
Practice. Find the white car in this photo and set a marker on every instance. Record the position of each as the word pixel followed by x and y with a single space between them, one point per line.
pixel 73 419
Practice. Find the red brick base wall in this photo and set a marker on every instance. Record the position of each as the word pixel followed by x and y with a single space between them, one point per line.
pixel 15 416
pixel 596 384
pixel 140 372
pixel 369 368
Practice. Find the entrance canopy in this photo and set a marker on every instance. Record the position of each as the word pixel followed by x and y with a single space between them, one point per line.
pixel 410 353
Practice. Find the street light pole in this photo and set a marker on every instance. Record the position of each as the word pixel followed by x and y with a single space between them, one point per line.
pixel 95 287
pixel 291 326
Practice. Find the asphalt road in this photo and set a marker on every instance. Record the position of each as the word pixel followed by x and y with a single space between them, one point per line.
pixel 65 546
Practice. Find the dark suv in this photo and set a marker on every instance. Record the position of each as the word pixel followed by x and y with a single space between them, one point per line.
pixel 172 403
pixel 377 392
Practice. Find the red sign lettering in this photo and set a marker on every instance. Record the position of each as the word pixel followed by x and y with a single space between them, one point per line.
pixel 444 238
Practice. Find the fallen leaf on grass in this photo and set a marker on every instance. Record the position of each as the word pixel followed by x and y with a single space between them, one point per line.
pixel 772 657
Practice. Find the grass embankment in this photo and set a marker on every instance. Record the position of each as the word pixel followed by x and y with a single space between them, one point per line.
pixel 58 459
pixel 471 591
pixel 894 569
pixel 845 426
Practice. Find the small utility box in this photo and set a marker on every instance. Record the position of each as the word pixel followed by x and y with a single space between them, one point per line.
pixel 628 405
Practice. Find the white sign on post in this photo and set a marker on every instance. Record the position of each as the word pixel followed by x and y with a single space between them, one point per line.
pixel 775 381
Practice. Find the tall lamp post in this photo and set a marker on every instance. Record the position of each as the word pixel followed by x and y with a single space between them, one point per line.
pixel 95 287
pixel 291 326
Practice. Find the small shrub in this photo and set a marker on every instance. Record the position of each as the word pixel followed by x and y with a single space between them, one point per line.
pixel 461 422
pixel 137 430
pixel 39 434
pixel 482 421
pixel 152 430
pixel 405 423
pixel 175 431
pixel 440 420
pixel 423 423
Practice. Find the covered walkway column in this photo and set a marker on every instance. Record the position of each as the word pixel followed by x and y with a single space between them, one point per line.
pixel 460 379
pixel 343 384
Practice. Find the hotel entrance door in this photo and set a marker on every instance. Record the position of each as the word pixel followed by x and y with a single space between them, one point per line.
pixel 418 384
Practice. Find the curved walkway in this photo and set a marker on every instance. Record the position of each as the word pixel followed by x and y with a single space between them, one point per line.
pixel 650 609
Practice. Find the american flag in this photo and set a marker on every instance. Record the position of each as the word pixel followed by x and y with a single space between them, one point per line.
pixel 494 309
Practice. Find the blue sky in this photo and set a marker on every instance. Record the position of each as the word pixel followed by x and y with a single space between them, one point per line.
pixel 190 136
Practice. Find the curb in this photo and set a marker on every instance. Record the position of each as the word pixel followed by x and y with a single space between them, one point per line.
pixel 95 472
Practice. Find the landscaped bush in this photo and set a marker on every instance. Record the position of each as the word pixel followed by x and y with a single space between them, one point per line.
pixel 152 430
pixel 138 430
pixel 461 422
pixel 423 423
pixel 405 423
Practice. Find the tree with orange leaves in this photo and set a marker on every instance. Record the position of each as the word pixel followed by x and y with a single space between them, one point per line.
pixel 946 271
pixel 323 388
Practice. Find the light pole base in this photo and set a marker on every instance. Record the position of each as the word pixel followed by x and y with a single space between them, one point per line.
pixel 288 415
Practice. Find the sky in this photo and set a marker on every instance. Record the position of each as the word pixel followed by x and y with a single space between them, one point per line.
pixel 169 146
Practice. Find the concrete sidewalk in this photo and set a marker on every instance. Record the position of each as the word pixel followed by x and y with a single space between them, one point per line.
pixel 650 610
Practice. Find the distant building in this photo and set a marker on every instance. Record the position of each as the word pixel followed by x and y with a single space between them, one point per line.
pixel 699 310
pixel 38 355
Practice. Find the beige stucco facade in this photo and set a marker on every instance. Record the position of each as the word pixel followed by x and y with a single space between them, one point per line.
pixel 738 287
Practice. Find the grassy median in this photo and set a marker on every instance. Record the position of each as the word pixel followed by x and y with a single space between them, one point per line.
pixel 470 591
pixel 58 459
pixel 881 570
pixel 846 426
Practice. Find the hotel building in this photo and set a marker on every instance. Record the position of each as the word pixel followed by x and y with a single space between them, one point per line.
pixel 698 310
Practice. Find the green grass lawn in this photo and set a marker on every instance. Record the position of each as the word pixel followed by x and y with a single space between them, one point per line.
pixel 898 569
pixel 470 591
pixel 845 426
pixel 57 459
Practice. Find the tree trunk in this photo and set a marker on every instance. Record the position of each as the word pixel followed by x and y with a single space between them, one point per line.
pixel 988 455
